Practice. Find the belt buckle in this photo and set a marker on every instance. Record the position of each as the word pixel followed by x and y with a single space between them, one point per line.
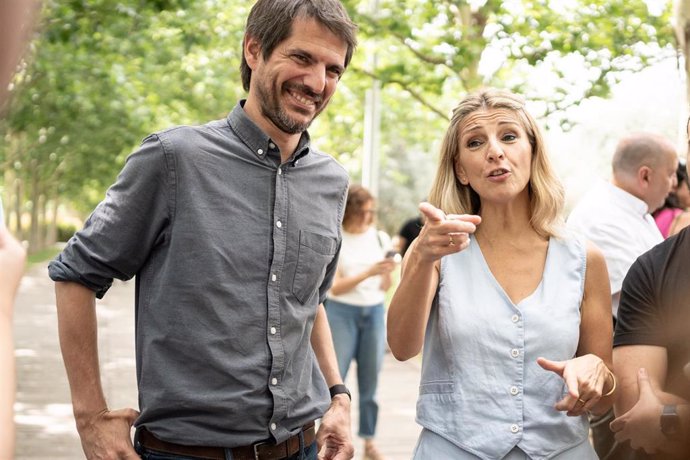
pixel 255 447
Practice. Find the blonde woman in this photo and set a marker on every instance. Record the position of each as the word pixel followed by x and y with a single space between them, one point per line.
pixel 514 315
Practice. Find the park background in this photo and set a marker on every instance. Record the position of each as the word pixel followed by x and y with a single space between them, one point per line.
pixel 99 75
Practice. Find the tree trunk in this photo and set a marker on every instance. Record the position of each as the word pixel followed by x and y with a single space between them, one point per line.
pixel 17 205
pixel 51 224
pixel 682 31
pixel 35 224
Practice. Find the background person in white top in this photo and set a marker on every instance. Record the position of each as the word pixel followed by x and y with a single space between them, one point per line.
pixel 616 217
pixel 355 305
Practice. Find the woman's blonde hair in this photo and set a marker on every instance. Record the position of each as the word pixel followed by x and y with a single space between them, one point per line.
pixel 545 190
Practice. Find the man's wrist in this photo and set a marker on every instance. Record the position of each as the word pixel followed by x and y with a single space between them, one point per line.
pixel 339 389
pixel 670 422
pixel 85 417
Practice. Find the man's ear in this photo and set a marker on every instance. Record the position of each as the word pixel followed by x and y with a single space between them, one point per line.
pixel 643 176
pixel 252 51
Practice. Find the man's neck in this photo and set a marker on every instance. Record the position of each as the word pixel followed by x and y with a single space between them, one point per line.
pixel 287 143
pixel 626 186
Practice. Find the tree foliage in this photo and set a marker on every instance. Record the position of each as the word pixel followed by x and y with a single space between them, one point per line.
pixel 102 74
pixel 555 52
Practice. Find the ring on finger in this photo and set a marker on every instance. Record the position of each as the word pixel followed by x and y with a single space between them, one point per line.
pixel 451 242
pixel 581 401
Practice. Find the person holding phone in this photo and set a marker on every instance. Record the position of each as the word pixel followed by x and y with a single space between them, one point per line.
pixel 355 305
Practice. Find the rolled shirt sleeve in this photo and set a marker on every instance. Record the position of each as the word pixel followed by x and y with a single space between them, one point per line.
pixel 125 227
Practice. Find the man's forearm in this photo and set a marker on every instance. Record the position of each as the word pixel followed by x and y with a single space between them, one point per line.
pixel 77 328
pixel 322 343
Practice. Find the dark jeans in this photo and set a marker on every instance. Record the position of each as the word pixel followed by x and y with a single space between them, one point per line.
pixel 305 453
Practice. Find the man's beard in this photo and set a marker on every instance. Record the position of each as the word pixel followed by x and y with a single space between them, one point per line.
pixel 270 108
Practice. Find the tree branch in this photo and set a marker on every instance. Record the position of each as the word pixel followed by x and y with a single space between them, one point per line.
pixel 406 87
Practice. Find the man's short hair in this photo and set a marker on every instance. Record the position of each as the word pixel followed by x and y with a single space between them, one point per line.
pixel 270 22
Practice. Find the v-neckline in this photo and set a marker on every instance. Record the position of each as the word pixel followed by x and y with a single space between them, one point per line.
pixel 499 287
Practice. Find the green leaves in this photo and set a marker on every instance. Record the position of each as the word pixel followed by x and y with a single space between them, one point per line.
pixel 102 74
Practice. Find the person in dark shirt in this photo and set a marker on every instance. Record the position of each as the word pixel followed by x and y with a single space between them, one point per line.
pixel 232 229
pixel 651 349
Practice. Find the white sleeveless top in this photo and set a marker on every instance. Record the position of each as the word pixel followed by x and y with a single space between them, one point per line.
pixel 481 387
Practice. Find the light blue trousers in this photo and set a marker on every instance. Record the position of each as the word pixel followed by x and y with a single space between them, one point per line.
pixel 359 333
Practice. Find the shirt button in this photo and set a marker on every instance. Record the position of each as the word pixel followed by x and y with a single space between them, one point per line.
pixel 515 318
pixel 279 224
pixel 274 277
pixel 274 381
pixel 514 428
pixel 273 426
pixel 271 145
pixel 514 391
pixel 273 331
pixel 260 151
pixel 280 171
pixel 514 352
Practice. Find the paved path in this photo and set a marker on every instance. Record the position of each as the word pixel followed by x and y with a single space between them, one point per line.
pixel 43 413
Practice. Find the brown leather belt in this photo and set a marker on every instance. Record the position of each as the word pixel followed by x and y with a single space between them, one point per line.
pixel 258 451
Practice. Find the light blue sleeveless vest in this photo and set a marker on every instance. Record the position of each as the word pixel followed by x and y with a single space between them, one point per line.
pixel 481 387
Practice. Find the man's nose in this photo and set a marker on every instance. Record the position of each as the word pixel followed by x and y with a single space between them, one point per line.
pixel 315 80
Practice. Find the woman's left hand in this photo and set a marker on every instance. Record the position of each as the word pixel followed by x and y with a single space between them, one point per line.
pixel 585 377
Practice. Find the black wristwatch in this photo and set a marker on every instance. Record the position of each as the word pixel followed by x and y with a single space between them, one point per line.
pixel 670 422
pixel 338 390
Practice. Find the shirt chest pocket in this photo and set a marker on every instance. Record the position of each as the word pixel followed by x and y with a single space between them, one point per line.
pixel 314 254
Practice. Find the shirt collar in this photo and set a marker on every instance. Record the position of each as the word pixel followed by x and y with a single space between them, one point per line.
pixel 257 141
pixel 628 199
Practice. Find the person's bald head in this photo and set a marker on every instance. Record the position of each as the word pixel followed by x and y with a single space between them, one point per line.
pixel 644 165
pixel 641 149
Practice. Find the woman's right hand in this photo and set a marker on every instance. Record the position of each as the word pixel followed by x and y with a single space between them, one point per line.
pixel 444 234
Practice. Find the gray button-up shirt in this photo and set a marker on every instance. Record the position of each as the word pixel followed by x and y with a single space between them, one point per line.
pixel 233 252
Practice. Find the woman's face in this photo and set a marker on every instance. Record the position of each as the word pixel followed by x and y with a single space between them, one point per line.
pixel 364 218
pixel 495 155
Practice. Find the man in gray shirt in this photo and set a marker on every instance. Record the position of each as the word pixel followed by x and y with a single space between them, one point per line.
pixel 233 232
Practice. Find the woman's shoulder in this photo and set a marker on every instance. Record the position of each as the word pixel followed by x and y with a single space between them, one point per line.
pixel 680 221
